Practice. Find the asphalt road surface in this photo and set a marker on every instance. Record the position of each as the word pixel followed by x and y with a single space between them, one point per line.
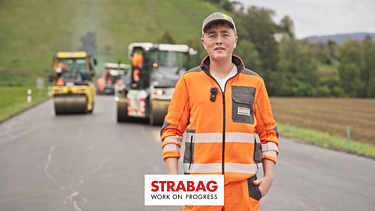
pixel 90 162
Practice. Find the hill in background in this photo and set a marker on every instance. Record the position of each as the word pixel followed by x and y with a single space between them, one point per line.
pixel 340 38
pixel 32 31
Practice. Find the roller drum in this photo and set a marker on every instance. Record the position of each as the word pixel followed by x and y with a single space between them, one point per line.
pixel 122 112
pixel 70 104
pixel 159 110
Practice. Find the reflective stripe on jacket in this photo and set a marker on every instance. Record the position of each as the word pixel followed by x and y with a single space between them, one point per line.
pixel 229 135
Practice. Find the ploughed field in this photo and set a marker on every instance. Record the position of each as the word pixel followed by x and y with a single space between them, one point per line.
pixel 331 115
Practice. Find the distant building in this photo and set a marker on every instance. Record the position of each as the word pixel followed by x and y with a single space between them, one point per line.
pixel 238 7
pixel 281 37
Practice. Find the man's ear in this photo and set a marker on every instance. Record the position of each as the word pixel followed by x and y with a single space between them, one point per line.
pixel 235 44
pixel 202 40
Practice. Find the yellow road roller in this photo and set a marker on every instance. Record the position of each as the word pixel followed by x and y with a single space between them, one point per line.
pixel 74 91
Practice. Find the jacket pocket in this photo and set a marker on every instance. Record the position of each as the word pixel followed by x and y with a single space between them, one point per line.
pixel 253 189
pixel 242 104
pixel 257 149
pixel 189 151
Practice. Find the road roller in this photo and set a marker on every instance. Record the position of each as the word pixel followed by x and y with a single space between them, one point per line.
pixel 146 91
pixel 74 91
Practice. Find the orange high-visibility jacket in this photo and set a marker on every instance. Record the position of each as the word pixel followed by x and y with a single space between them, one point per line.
pixel 227 135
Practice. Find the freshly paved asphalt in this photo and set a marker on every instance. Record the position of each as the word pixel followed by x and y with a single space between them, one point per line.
pixel 91 162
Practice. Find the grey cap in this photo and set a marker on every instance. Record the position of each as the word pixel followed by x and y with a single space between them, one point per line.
pixel 218 17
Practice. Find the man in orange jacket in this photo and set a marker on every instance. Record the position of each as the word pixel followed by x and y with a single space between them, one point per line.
pixel 230 130
pixel 137 62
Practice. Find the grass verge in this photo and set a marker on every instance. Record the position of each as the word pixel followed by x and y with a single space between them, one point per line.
pixel 14 100
pixel 325 140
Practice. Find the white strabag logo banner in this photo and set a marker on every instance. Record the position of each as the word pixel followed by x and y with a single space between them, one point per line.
pixel 184 189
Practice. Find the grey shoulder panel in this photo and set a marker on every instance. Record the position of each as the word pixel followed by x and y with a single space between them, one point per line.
pixel 194 69
pixel 250 72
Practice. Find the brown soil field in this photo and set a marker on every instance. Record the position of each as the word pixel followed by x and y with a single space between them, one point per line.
pixel 331 115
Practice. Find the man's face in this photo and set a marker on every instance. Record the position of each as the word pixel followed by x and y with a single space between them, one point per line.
pixel 219 40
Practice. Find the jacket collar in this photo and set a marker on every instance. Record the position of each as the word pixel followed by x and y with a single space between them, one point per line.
pixel 205 65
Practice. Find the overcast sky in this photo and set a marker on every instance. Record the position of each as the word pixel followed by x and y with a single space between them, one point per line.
pixel 323 17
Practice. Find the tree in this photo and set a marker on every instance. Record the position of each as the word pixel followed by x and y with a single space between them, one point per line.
pixel 368 71
pixel 350 68
pixel 297 62
pixel 287 25
pixel 227 5
pixel 333 49
pixel 249 55
pixel 196 44
pixel 167 38
pixel 260 29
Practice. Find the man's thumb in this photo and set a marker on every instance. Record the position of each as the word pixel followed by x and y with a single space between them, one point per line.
pixel 257 182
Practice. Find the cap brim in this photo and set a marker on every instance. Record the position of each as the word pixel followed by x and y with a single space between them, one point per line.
pixel 217 21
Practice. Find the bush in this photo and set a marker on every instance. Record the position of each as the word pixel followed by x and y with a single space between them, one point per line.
pixel 301 89
pixel 323 91
pixel 305 90
pixel 338 92
pixel 283 90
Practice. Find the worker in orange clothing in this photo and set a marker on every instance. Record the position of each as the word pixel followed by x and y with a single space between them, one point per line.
pixel 61 67
pixel 100 84
pixel 137 63
pixel 226 114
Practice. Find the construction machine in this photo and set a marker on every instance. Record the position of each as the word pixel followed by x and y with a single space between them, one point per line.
pixel 74 90
pixel 111 73
pixel 147 90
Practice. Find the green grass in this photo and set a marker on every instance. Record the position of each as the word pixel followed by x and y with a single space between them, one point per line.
pixel 22 77
pixel 325 140
pixel 14 100
pixel 32 31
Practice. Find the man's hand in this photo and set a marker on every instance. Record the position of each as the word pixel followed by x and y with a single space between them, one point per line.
pixel 264 185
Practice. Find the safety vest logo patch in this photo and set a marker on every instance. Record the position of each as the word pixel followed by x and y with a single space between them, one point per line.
pixel 243 111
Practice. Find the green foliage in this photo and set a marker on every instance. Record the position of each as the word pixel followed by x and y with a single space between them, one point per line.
pixel 287 25
pixel 195 43
pixel 368 71
pixel 372 88
pixel 277 84
pixel 249 55
pixel 338 92
pixel 350 68
pixel 167 38
pixel 14 100
pixel 325 58
pixel 297 64
pixel 32 31
pixel 333 49
pixel 324 139
pixel 260 29
pixel 22 77
pixel 225 4
pixel 330 86
pixel 301 89
pixel 323 91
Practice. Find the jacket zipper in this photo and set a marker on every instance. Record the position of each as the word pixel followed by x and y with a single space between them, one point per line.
pixel 222 162
pixel 191 151
pixel 223 92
